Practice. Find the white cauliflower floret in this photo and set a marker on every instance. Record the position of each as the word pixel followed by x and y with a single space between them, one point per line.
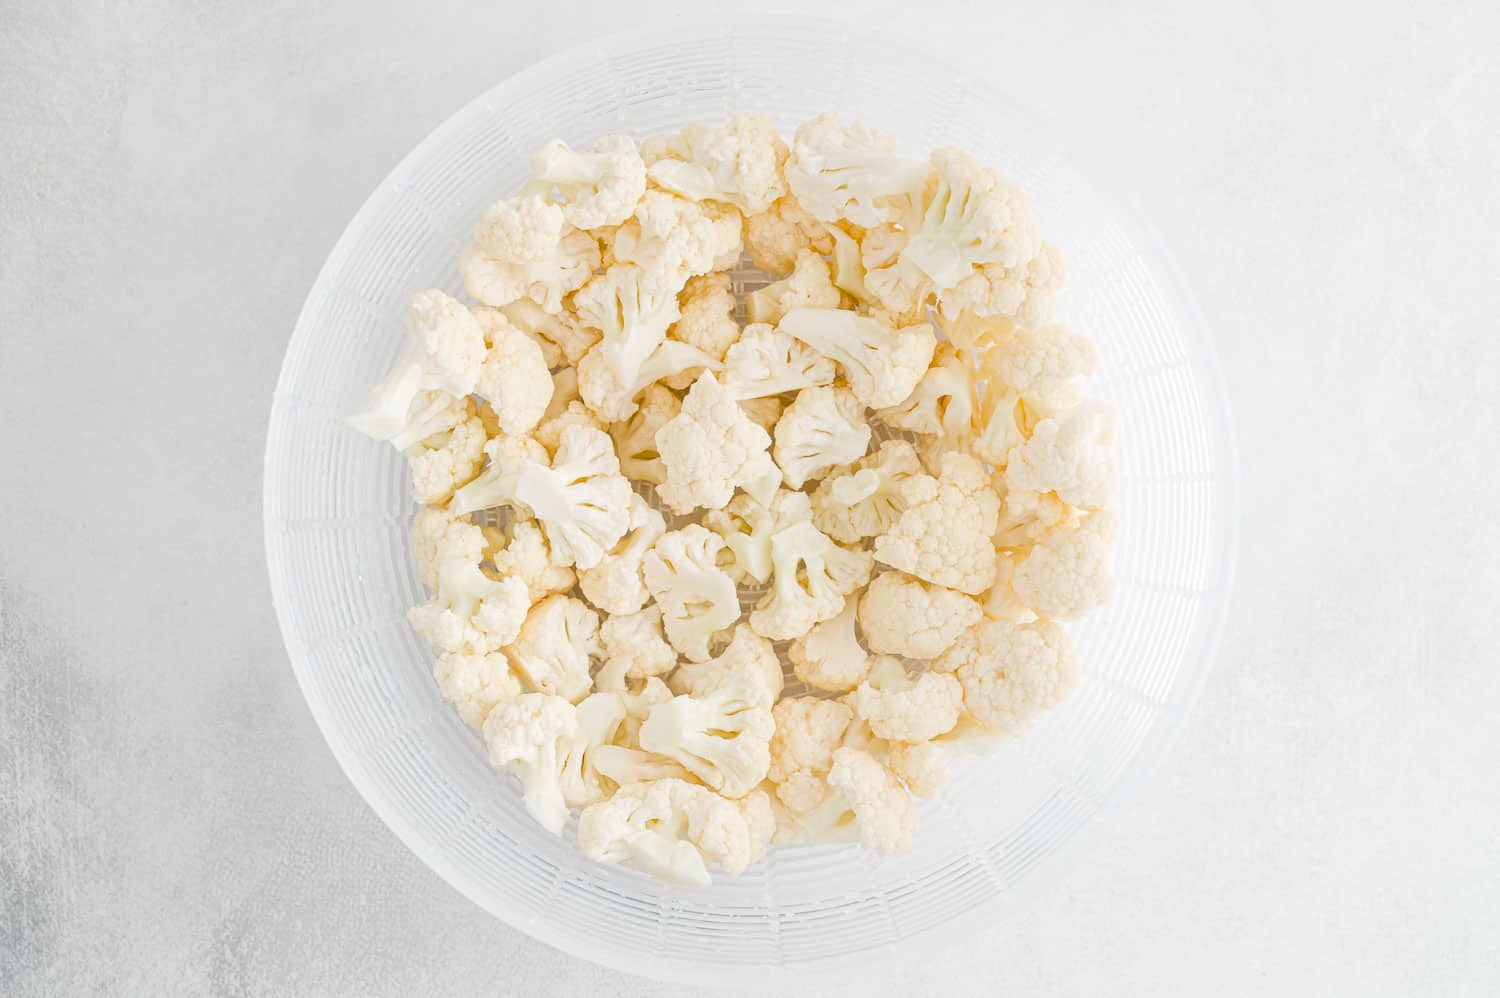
pixel 523 249
pixel 766 362
pixel 706 320
pixel 471 611
pixel 574 413
pixel 775 237
pixel 848 171
pixel 922 766
pixel 1067 574
pixel 823 429
pixel 867 800
pixel 944 402
pixel 830 657
pixel 599 186
pixel 673 830
pixel 747 526
pixel 1045 363
pixel 883 364
pixel 1067 454
pixel 809 285
pixel 892 284
pixel 1001 602
pixel 722 738
pixel 571 339
pixel 522 551
pixel 514 378
pixel 808 731
pixel 617 584
pixel 945 534
pixel 599 717
pixel 675 239
pixel 448 459
pixel 812 575
pixel 634 648
pixel 444 351
pixel 557 646
pixel 475 682
pixel 528 735
pixel 712 448
pixel 438 534
pixel 1025 292
pixel 1005 421
pixel 1011 672
pixel 739 164
pixel 866 500
pixel 696 597
pixel 900 615
pixel 747 654
pixel 635 438
pixel 899 707
pixel 970 217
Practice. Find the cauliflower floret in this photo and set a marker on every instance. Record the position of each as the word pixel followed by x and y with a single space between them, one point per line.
pixel 522 551
pixel 866 500
pixel 514 378
pixel 449 458
pixel 766 362
pixel 557 646
pixel 571 339
pixel 1068 455
pixel 1067 574
pixel 824 428
pixel 634 648
pixel 747 654
pixel 1006 419
pixel 706 307
pixel 812 575
pixel 865 799
pixel 775 237
pixel 635 438
pixel 1044 363
pixel 475 683
pixel 529 735
pixel 922 766
pixel 892 284
pixel 945 400
pixel 809 285
pixel 1024 292
pixel 583 782
pixel 722 738
pixel 471 611
pixel 523 249
pixel 616 584
pixel 747 527
pixel 673 830
pixel 675 239
pixel 1011 672
pixel 883 364
pixel 808 731
pixel 574 413
pixel 900 615
pixel 945 534
pixel 444 351
pixel 696 597
pixel 438 534
pixel 970 217
pixel 848 171
pixel 710 449
pixel 829 657
pixel 898 707
pixel 739 164
pixel 599 186
pixel 1001 602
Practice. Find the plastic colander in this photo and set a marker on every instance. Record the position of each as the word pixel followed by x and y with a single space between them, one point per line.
pixel 337 511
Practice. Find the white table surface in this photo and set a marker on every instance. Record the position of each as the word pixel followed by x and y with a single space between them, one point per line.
pixel 172 175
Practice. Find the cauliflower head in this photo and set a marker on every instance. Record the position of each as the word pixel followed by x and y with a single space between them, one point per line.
pixel 1024 292
pixel 439 534
pixel 945 402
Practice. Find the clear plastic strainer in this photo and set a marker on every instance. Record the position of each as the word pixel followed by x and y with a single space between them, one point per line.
pixel 337 511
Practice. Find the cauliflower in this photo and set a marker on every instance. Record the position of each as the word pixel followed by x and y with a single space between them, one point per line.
pixel 574 413
pixel 739 164
pixel 865 799
pixel 848 171
pixel 1005 421
pixel 945 401
pixel 471 611
pixel 706 319
pixel 616 584
pixel 892 284
pixel 766 361
pixel 526 555
pixel 900 708
pixel 556 647
pixel 449 458
pixel 1011 672
pixel 883 364
pixel 1001 602
pixel 763 412
pixel 710 449
pixel 634 648
pixel 1024 292
pixel 812 575
pixel 848 265
pixel 829 657
pixel 528 735
pixel 675 239
pixel 809 285
pixel 922 766
pixel 439 534
pixel 747 654
pixel 722 738
pixel 824 428
pixel 635 438
pixel 599 186
pixel 900 615
pixel 444 351
pixel 970 217
pixel 774 238
pixel 673 830
pixel 523 249
pixel 1067 574
pixel 945 534
pixel 475 682
pixel 571 339
pixel 866 500
pixel 1067 455
pixel 747 526
pixel 599 717
pixel 514 378
pixel 808 731
pixel 696 597
pixel 1044 363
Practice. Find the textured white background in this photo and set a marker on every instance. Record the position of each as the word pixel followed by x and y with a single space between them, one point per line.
pixel 171 176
